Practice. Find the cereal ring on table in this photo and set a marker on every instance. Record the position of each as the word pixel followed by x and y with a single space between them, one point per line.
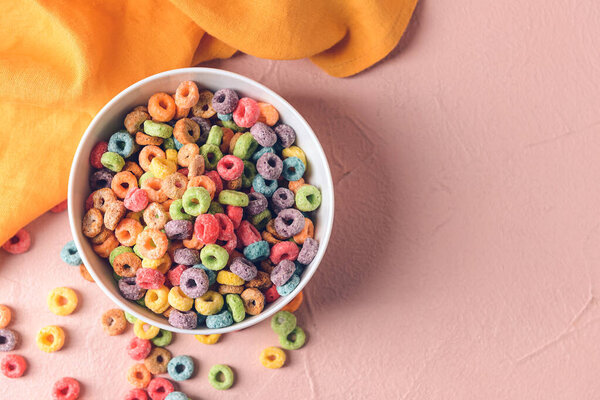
pixel 245 146
pixel 257 251
pixel 163 338
pixel 289 222
pixel 271 294
pixel 157 300
pixel 60 207
pixel 284 251
pixel 66 389
pixel 101 198
pixel 212 154
pixel 127 231
pixel 181 368
pixel 62 301
pixel 308 251
pixel 272 357
pixel 138 349
pixel 207 228
pixel 205 182
pixel 233 198
pixel 5 316
pixel 186 131
pixel 112 161
pixel 178 300
pixel 152 243
pixel 194 282
pixel 229 278
pixel 179 229
pixel 155 216
pixel 230 167
pixel 183 319
pixel 196 201
pixel 161 107
pixel 263 134
pixel 130 290
pixel 177 212
pixel 187 94
pixel 214 257
pixel 220 320
pixel 13 366
pixel 254 301
pixel 92 223
pixel 283 323
pixel 144 140
pixel 203 108
pixel 136 394
pixel 262 281
pixel 85 274
pixel 289 286
pixel 113 322
pixel 229 289
pixel 286 136
pixel 225 101
pixel 174 185
pixel 174 274
pixel 101 179
pixel 268 114
pixel 127 264
pixel 8 340
pixel 246 112
pixel 159 388
pixel 210 303
pixel 157 360
pixel 70 254
pixel 122 143
pixel 138 376
pixel 147 278
pixel 208 339
pixel 186 256
pixel 143 330
pixel 308 232
pixel 195 165
pixel 105 248
pixel 19 243
pixel 220 377
pixel 264 186
pixel 122 182
pixel 147 154
pixel 134 120
pixel 115 211
pixel 102 236
pixel 96 154
pixel 50 339
pixel 293 340
pixel 235 214
pixel 293 169
pixel 283 272
pixel 177 396
pixel 243 268
pixel 235 305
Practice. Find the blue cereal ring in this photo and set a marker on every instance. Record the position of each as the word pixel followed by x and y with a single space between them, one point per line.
pixel 299 268
pixel 121 143
pixel 212 275
pixel 260 152
pixel 289 286
pixel 220 320
pixel 177 396
pixel 264 186
pixel 257 251
pixel 178 144
pixel 181 368
pixel 225 117
pixel 70 254
pixel 293 169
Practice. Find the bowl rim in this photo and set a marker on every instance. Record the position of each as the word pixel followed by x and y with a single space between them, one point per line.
pixel 123 303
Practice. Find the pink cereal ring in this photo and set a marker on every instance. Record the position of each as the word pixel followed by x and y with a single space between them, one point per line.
pixel 235 214
pixel 231 245
pixel 247 233
pixel 284 251
pixel 226 233
pixel 65 389
pixel 19 243
pixel 89 202
pixel 60 207
pixel 148 278
pixel 207 228
pixel 271 294
pixel 230 167
pixel 214 176
pixel 96 154
pixel 136 394
pixel 159 388
pixel 138 349
pixel 246 113
pixel 174 274
pixel 13 366
pixel 136 199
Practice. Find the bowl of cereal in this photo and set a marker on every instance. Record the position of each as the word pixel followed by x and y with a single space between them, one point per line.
pixel 200 201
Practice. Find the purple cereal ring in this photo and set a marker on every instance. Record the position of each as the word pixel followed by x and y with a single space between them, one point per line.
pixel 269 166
pixel 282 272
pixel 8 340
pixel 101 179
pixel 205 126
pixel 224 101
pixel 308 251
pixel 193 282
pixel 286 135
pixel 257 203
pixel 183 320
pixel 263 134
pixel 186 256
pixel 179 229
pixel 130 289
pixel 243 268
pixel 282 198
pixel 289 222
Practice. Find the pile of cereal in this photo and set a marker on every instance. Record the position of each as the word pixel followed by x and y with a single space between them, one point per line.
pixel 203 218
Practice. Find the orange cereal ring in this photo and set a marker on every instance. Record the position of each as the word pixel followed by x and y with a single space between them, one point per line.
pixel 166 205
pixel 127 231
pixel 295 185
pixel 141 108
pixel 261 281
pixel 133 168
pixel 269 238
pixel 205 182
pixel 228 289
pixel 235 184
pixel 271 229
pixel 187 94
pixel 174 186
pixel 161 107
pixel 293 305
pixel 135 119
pixel 227 135
pixel 203 108
pixel 193 243
pixel 93 222
pixel 139 376
pixel 114 322
pixel 155 216
pixel 144 140
pixel 103 249
pixel 102 236
pixel 187 153
pixel 102 197
pixel 152 243
pixel 196 166
pixel 268 114
pixel 5 316
pixel 153 187
pixel 307 232
pixel 233 141
pixel 126 264
pixel 186 131
pixel 147 154
pixel 181 112
pixel 85 274
pixel 122 182
pixel 254 301
pixel 157 360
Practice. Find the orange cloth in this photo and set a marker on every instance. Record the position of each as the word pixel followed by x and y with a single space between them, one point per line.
pixel 61 61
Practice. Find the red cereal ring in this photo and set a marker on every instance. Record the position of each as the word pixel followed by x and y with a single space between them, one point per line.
pixel 174 274
pixel 184 171
pixel 214 175
pixel 207 228
pixel 13 366
pixel 65 389
pixel 247 233
pixel 271 294
pixel 246 113
pixel 230 167
pixel 138 349
pixel 152 243
pixel 96 154
pixel 60 207
pixel 134 168
pixel 89 202
pixel 148 278
pixel 226 225
pixel 235 214
pixel 122 182
pixel 159 388
pixel 284 251
pixel 161 107
pixel 187 94
pixel 19 243
pixel 136 394
pixel 230 245
pixel 136 199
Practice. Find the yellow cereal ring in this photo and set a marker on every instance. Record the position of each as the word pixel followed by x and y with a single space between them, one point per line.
pixel 294 151
pixel 157 300
pixel 178 300
pixel 229 278
pixel 162 167
pixel 50 339
pixel 272 357
pixel 171 155
pixel 208 339
pixel 162 264
pixel 62 301
pixel 210 303
pixel 144 330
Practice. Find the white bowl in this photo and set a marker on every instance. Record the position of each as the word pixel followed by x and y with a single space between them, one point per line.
pixel 110 119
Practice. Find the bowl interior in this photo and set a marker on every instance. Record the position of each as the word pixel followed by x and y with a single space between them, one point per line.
pixel 110 119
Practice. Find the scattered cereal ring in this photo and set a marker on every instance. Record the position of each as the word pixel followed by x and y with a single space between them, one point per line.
pixel 66 389
pixel 13 366
pixel 181 368
pixel 293 305
pixel 293 340
pixel 159 388
pixel 208 339
pixel 283 322
pixel 5 316
pixel 19 243
pixel 157 360
pixel 272 357
pixel 50 339
pixel 138 349
pixel 144 331
pixel 220 377
pixel 177 396
pixel 8 340
pixel 139 376
pixel 113 322
pixel 136 394
pixel 62 301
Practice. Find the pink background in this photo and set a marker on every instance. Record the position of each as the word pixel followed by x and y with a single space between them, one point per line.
pixel 465 259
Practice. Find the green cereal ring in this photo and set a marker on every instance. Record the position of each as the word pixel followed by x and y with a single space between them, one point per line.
pixel 245 146
pixel 293 340
pixel 157 129
pixel 142 302
pixel 214 257
pixel 130 318
pixel 233 198
pixel 233 126
pixel 248 174
pixel 164 338
pixel 145 176
pixel 220 377
pixel 112 161
pixel 176 211
pixel 117 251
pixel 196 201
pixel 235 305
pixel 136 251
pixel 116 277
pixel 215 208
pixel 283 323
pixel 261 219
pixel 308 198
pixel 215 136
pixel 169 143
pixel 212 154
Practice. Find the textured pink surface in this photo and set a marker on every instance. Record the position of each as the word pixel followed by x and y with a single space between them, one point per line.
pixel 465 258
